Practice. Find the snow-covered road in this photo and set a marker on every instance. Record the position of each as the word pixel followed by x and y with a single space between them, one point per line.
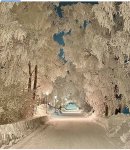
pixel 67 133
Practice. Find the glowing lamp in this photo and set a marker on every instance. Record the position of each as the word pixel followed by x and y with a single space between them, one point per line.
pixel 55 97
pixel 47 93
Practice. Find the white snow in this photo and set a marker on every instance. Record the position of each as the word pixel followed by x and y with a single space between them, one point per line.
pixel 68 133
pixel 40 110
pixel 80 131
pixel 119 128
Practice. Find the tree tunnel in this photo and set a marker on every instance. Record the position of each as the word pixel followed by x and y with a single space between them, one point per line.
pixel 88 65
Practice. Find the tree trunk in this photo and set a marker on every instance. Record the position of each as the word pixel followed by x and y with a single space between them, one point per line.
pixel 35 83
pixel 30 77
pixel 106 110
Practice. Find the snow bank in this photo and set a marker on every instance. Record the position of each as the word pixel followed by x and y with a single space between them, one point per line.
pixel 119 128
pixel 93 117
pixel 102 121
pixel 12 133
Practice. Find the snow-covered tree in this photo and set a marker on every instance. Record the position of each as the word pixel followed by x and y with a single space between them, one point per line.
pixel 96 52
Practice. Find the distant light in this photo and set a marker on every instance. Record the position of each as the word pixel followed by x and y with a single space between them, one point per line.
pixel 55 97
pixel 47 93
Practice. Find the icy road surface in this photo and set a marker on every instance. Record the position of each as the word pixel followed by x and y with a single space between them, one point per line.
pixel 67 132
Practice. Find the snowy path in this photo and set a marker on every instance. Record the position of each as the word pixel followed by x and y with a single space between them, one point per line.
pixel 67 133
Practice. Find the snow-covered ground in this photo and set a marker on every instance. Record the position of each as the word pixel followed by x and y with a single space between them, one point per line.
pixel 79 130
pixel 68 132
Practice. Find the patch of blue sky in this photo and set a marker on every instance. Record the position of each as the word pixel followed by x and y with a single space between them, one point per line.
pixel 59 11
pixel 58 37
pixel 61 53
